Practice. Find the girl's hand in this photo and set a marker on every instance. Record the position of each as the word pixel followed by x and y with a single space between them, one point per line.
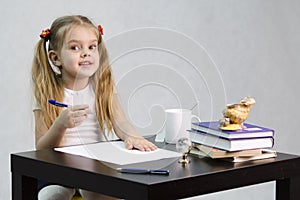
pixel 139 143
pixel 73 116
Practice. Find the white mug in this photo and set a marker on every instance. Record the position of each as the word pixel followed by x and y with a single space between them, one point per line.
pixel 178 121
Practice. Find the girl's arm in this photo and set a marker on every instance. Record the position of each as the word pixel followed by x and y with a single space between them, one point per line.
pixel 45 138
pixel 52 137
pixel 126 131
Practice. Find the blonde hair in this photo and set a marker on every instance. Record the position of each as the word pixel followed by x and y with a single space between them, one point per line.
pixel 48 85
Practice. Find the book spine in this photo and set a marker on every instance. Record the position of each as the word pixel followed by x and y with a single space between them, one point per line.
pixel 226 144
pixel 226 138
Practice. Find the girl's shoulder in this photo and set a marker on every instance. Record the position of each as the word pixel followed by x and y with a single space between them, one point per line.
pixel 35 105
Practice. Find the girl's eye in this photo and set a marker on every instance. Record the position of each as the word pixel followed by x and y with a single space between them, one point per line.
pixel 94 46
pixel 75 48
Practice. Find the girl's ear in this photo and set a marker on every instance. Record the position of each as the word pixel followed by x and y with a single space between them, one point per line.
pixel 54 58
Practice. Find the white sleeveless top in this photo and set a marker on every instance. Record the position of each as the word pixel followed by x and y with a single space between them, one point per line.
pixel 89 131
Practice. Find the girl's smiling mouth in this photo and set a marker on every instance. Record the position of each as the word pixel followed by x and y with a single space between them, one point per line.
pixel 85 63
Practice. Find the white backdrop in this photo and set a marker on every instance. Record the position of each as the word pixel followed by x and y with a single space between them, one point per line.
pixel 167 54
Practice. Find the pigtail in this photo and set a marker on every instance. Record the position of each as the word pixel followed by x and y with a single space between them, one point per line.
pixel 104 88
pixel 46 84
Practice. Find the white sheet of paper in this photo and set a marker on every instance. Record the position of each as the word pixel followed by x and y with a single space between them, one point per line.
pixel 116 153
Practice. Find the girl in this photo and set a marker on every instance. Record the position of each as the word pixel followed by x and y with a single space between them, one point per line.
pixel 74 68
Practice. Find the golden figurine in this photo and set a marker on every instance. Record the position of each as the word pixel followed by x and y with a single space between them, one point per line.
pixel 236 114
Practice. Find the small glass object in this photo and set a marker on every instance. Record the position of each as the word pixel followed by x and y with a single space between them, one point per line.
pixel 184 146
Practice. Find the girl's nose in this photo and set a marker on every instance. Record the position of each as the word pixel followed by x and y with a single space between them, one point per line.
pixel 85 53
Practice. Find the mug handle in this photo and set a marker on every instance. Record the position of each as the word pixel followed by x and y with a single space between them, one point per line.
pixel 195 116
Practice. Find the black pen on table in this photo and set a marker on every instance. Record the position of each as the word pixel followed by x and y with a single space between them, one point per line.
pixel 143 171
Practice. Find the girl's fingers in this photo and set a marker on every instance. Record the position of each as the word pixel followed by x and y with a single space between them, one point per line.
pixel 75 115
pixel 79 107
pixel 140 144
pixel 80 113
pixel 78 120
pixel 129 146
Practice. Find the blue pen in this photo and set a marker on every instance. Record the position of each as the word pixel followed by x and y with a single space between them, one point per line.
pixel 143 171
pixel 56 103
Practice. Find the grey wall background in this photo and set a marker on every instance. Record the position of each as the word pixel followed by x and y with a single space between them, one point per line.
pixel 168 54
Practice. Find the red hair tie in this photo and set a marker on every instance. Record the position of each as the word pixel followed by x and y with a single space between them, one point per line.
pixel 45 34
pixel 101 30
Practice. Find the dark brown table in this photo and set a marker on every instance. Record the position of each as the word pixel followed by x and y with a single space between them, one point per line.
pixel 201 176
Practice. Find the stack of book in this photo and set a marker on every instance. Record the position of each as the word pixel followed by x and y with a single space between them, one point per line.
pixel 245 144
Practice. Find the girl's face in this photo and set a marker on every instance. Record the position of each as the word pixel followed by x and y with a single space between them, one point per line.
pixel 79 55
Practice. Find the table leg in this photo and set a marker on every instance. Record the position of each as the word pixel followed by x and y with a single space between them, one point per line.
pixel 23 187
pixel 288 189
